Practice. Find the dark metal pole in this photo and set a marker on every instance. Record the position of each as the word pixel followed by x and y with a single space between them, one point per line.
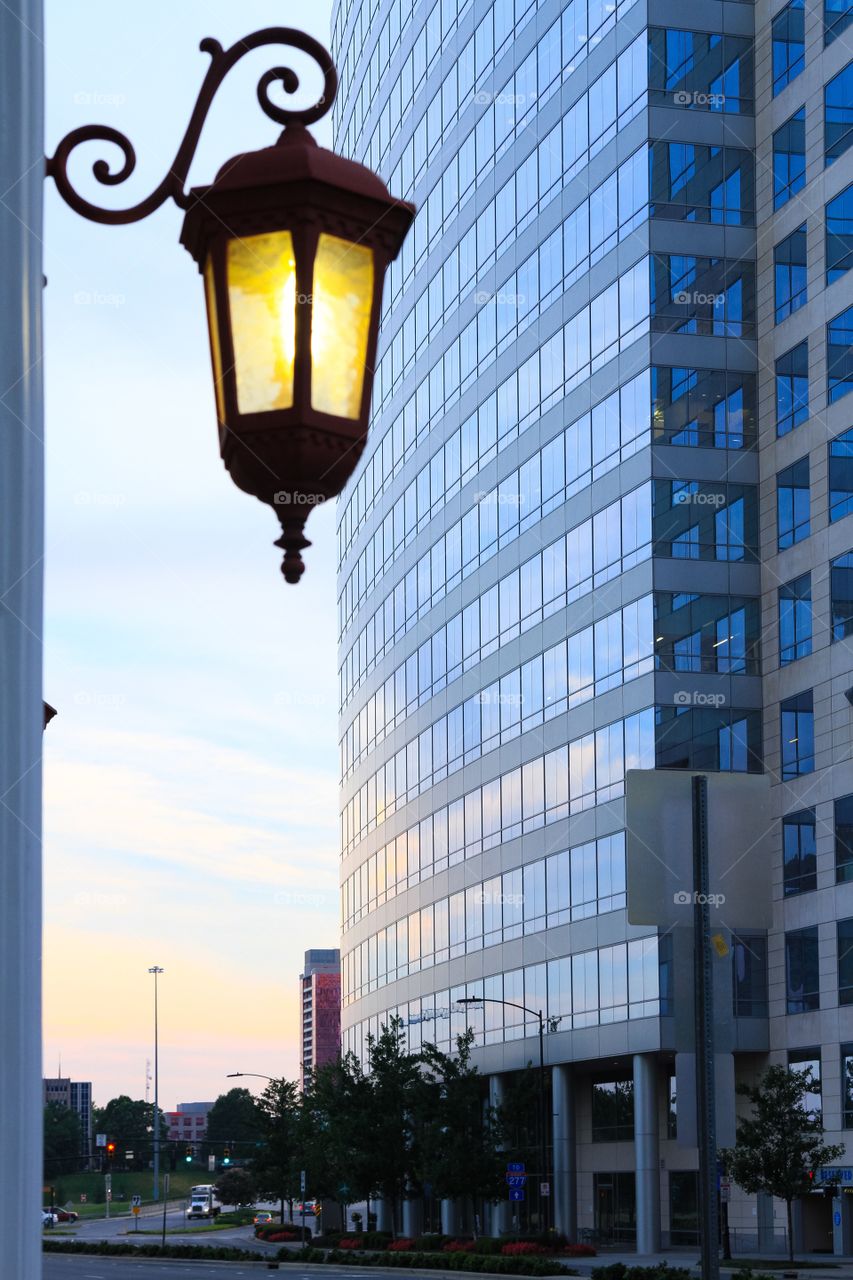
pixel 544 1201
pixel 709 1227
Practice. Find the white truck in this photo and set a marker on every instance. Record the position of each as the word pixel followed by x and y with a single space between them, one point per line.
pixel 204 1202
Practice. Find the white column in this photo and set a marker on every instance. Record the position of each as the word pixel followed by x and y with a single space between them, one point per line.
pixel 413 1216
pixel 646 1153
pixel 449 1218
pixel 501 1215
pixel 21 550
pixel 383 1215
pixel 564 1191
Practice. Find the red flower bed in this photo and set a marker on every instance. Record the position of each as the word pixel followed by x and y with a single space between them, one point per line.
pixel 458 1246
pixel 580 1251
pixel 522 1248
pixel 400 1246
pixel 280 1237
pixel 349 1242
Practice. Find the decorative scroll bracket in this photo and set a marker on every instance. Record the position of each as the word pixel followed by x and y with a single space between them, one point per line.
pixel 174 183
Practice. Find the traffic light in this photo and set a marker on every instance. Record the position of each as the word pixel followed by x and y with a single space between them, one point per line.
pixel 188 1155
pixel 111 1149
pixel 226 1156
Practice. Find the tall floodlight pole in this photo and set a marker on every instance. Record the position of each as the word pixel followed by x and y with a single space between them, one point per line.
pixel 156 970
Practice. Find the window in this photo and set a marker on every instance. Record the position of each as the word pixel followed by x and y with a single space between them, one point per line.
pixel 797 724
pixel 843 838
pixel 839 235
pixel 792 389
pixel 706 633
pixel 789 159
pixel 839 355
pixel 684 1207
pixel 841 595
pixel 808 1060
pixel 799 854
pixel 838 114
pixel 700 71
pixel 847 1085
pixel 837 16
pixel 612 1111
pixel 749 975
pixel 841 476
pixel 672 1107
pixel 795 619
pixel 705 408
pixel 789 262
pixel 845 961
pixel 802 985
pixel 789 49
pixel 689 181
pixel 792 504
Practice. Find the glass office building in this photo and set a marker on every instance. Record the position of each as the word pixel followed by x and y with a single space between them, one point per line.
pixel 601 524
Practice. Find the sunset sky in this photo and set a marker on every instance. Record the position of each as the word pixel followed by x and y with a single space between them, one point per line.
pixel 190 776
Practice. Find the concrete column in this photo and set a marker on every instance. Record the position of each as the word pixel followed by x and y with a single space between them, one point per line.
pixel 413 1218
pixel 21 549
pixel 383 1215
pixel 646 1153
pixel 500 1213
pixel 449 1218
pixel 565 1189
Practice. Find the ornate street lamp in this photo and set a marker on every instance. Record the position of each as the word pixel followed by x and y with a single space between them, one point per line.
pixel 293 243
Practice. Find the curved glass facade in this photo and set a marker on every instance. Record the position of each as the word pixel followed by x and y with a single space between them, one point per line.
pixel 551 551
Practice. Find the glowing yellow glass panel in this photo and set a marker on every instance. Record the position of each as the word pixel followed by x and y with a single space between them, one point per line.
pixel 342 303
pixel 262 298
pixel 213 325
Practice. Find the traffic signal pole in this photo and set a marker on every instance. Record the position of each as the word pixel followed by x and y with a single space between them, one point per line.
pixel 709 1224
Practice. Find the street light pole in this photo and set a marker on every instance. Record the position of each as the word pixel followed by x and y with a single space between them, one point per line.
pixel 543 1110
pixel 156 970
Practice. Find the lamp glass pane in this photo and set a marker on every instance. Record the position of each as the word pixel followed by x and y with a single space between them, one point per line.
pixel 262 298
pixel 340 323
pixel 213 326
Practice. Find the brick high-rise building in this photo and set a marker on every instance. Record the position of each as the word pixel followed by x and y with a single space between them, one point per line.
pixel 320 992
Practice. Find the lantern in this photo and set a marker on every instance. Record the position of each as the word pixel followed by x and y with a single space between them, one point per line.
pixel 293 242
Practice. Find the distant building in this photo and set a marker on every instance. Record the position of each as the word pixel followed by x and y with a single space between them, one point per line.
pixel 189 1123
pixel 321 1009
pixel 77 1096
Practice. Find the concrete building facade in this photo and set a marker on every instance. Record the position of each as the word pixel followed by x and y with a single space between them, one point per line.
pixel 601 524
pixel 76 1095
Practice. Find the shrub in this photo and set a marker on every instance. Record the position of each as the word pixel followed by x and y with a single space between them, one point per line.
pixel 375 1239
pixel 662 1271
pixel 430 1243
pixel 521 1247
pixel 459 1246
pixel 349 1242
pixel 579 1251
pixel 115 1249
pixel 524 1265
pixel 403 1245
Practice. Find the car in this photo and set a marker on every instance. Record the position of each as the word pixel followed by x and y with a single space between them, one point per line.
pixel 65 1215
pixel 262 1218
pixel 311 1206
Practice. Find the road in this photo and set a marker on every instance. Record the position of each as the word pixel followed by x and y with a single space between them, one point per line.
pixel 58 1268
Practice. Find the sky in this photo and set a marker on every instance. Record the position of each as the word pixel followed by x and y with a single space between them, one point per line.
pixel 191 773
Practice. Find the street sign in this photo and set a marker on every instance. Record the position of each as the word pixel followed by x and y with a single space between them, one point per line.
pixel 108 1181
pixel 211 1164
pixel 516 1193
pixel 135 1209
pixel 100 1139
pixel 515 1168
pixel 725 1191
pixel 83 1197
pixel 135 1202
pixel 516 1179
pixel 544 1188
pixel 302 1182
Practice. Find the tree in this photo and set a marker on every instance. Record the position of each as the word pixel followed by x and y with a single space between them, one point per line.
pixel 237 1187
pixel 337 1129
pixel 460 1144
pixel 62 1140
pixel 128 1123
pixel 396 1095
pixel 781 1144
pixel 235 1121
pixel 279 1153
